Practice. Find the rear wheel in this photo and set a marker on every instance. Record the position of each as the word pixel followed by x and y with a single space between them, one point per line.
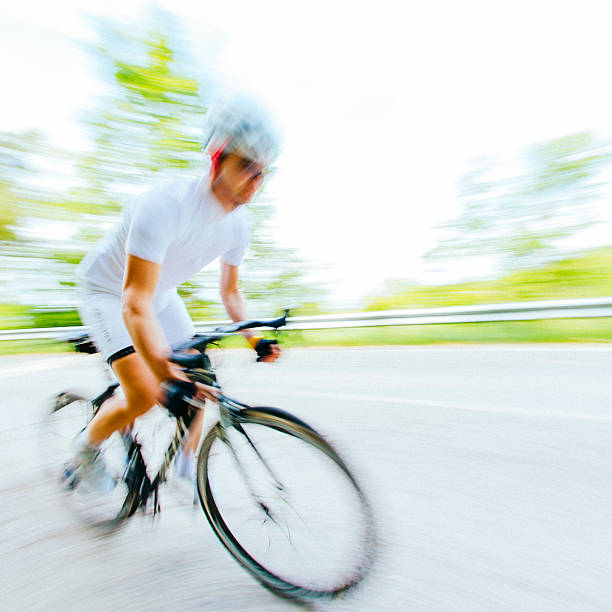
pixel 285 505
pixel 105 507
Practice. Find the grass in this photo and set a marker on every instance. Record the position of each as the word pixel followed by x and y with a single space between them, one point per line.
pixel 580 276
pixel 16 347
pixel 557 330
pixel 553 330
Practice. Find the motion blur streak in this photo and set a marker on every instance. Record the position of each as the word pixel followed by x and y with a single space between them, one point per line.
pixel 500 507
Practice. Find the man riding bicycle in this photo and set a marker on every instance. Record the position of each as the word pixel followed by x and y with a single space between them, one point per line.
pixel 129 297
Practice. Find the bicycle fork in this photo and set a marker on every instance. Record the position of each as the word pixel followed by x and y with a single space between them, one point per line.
pixel 259 502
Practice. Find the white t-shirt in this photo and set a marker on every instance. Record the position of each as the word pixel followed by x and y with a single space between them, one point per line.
pixel 180 225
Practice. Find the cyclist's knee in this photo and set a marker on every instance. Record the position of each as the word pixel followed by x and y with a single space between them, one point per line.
pixel 138 407
pixel 139 386
pixel 139 400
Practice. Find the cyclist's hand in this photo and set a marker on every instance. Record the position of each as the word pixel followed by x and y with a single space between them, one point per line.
pixel 205 392
pixel 176 391
pixel 267 350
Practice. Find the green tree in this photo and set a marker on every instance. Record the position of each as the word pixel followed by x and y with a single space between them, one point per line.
pixel 148 120
pixel 30 171
pixel 147 123
pixel 521 216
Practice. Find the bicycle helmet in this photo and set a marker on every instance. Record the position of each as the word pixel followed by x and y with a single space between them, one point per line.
pixel 240 125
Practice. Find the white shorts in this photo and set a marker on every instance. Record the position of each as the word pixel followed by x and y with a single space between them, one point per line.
pixel 101 312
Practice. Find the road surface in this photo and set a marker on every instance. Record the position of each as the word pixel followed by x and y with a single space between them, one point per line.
pixel 489 468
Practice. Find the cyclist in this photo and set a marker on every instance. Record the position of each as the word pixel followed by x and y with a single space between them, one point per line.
pixel 128 284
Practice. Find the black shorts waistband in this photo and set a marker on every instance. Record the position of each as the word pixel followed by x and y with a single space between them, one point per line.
pixel 124 352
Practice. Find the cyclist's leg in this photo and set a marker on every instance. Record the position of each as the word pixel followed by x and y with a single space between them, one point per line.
pixel 195 432
pixel 141 391
pixel 178 327
pixel 102 312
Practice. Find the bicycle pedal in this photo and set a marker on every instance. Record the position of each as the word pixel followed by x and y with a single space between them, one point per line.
pixel 63 399
pixel 69 477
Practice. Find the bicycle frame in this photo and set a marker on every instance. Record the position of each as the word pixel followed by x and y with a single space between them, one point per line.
pixel 246 442
pixel 199 369
pixel 229 416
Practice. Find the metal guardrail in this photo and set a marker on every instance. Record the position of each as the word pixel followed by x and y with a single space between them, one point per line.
pixel 516 311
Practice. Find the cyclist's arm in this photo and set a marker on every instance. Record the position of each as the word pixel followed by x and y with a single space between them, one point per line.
pixel 139 284
pixel 232 296
pixel 236 308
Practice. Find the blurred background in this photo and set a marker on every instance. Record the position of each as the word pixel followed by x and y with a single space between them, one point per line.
pixel 435 155
pixel 431 157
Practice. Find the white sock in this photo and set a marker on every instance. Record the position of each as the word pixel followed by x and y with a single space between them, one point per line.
pixel 185 463
pixel 83 441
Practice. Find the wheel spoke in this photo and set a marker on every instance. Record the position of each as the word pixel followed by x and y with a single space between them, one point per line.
pixel 308 537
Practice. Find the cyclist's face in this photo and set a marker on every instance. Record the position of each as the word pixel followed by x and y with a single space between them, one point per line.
pixel 241 177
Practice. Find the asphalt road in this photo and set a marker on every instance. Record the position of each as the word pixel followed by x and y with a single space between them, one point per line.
pixel 489 469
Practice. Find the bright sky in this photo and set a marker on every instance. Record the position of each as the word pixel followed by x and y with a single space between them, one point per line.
pixel 382 104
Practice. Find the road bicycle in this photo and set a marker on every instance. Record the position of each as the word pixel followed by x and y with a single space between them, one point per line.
pixel 276 493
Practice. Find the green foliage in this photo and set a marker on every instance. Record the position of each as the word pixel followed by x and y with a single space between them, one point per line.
pixel 146 125
pixel 18 316
pixel 8 212
pixel 521 215
pixel 150 121
pixel 557 330
pixel 586 275
pixel 17 347
pixel 14 316
pixel 55 317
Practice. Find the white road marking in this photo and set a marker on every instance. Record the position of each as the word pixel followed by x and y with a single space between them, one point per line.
pixel 360 397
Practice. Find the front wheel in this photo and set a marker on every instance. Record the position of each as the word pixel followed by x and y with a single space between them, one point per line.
pixel 285 505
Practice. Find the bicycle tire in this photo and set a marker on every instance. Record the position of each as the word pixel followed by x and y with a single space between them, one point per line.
pixel 284 424
pixel 68 415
